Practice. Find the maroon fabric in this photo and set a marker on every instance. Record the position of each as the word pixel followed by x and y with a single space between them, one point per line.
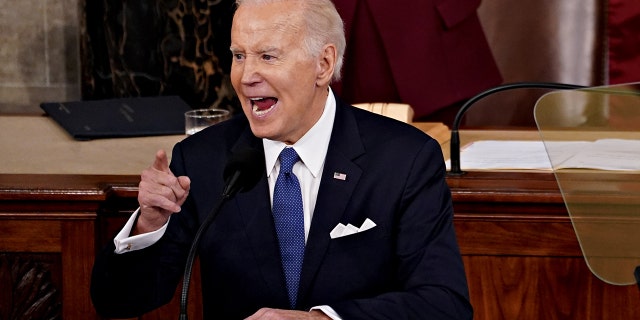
pixel 623 32
pixel 624 41
pixel 427 53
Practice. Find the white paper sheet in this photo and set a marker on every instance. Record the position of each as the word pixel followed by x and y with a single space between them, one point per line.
pixel 605 154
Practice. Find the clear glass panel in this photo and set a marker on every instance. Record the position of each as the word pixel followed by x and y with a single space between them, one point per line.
pixel 592 137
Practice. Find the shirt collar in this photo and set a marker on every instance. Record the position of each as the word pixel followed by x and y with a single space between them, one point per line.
pixel 312 147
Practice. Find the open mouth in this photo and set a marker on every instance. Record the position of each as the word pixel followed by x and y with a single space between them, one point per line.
pixel 262 106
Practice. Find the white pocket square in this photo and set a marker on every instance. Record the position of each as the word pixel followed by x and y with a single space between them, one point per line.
pixel 342 231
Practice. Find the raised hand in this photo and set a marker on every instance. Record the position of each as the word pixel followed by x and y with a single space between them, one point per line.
pixel 160 194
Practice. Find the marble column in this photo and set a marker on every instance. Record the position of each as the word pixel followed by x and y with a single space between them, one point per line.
pixel 158 47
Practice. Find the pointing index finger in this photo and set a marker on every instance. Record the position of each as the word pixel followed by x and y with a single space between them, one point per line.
pixel 161 162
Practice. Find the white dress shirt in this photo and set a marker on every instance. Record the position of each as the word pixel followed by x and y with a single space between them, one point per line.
pixel 312 150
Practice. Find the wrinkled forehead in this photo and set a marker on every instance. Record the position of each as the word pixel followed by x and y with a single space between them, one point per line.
pixel 272 25
pixel 277 16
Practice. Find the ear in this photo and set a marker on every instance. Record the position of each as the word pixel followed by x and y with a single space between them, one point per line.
pixel 326 65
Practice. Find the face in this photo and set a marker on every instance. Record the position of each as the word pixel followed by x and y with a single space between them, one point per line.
pixel 282 88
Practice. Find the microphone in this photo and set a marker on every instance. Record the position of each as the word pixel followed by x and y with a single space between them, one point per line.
pixel 241 173
pixel 454 151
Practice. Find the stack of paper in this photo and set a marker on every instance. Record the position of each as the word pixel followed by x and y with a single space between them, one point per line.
pixel 604 154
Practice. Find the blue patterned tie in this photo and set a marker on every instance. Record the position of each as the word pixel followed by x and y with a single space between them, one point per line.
pixel 289 221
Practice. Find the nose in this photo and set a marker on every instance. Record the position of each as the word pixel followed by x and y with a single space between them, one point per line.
pixel 250 73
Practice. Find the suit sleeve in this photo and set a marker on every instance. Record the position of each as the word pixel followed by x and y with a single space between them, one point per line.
pixel 432 282
pixel 131 284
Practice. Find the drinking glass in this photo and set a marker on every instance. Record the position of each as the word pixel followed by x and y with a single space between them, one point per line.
pixel 198 119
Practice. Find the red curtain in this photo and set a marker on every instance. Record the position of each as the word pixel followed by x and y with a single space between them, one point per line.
pixel 624 41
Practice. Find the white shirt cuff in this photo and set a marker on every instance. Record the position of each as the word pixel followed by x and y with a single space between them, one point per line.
pixel 125 243
pixel 328 311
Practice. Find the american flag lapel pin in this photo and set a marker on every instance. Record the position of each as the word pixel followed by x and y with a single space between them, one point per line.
pixel 339 176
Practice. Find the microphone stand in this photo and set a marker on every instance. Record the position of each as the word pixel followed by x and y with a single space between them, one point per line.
pixel 230 190
pixel 455 135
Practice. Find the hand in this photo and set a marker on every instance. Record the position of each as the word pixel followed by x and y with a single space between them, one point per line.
pixel 278 314
pixel 160 194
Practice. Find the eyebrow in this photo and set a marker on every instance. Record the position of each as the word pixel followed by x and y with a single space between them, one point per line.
pixel 234 49
pixel 269 49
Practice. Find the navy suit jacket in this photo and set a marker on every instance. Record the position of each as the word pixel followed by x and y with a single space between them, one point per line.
pixel 407 267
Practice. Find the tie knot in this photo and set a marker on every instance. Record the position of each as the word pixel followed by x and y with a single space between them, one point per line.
pixel 288 157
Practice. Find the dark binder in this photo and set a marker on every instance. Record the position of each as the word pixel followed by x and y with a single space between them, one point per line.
pixel 120 117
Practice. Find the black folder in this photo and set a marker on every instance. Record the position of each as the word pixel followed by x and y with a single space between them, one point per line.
pixel 120 117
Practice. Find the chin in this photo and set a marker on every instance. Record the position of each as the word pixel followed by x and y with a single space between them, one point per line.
pixel 260 130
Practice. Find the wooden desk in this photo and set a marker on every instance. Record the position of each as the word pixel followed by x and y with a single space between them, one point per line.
pixel 37 145
pixel 520 252
pixel 60 200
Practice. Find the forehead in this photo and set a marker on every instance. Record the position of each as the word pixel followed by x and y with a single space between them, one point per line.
pixel 268 20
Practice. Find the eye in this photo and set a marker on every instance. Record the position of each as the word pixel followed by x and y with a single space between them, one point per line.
pixel 268 57
pixel 238 56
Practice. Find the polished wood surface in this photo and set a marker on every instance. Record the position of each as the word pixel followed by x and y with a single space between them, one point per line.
pixel 522 258
pixel 47 243
pixel 521 255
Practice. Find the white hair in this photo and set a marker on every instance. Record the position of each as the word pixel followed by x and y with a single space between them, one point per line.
pixel 325 26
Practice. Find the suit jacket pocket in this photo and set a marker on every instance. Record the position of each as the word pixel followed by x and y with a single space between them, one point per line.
pixel 369 238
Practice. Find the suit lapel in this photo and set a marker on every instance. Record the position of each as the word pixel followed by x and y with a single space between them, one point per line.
pixel 255 211
pixel 334 193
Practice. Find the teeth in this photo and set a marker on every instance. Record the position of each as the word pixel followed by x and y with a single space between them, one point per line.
pixel 262 105
pixel 259 112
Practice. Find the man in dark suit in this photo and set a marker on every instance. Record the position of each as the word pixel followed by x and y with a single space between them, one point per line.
pixel 377 228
